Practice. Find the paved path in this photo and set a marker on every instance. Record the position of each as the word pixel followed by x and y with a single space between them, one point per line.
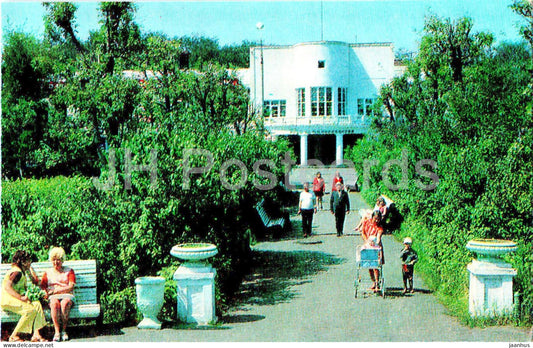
pixel 305 292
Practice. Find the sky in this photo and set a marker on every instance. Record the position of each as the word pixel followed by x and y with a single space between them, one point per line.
pixel 286 22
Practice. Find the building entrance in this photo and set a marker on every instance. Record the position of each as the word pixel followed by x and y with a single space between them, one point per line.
pixel 321 147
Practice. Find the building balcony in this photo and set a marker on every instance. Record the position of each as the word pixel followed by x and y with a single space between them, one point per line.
pixel 349 124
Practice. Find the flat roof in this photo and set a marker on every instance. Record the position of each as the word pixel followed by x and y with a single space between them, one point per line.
pixel 315 43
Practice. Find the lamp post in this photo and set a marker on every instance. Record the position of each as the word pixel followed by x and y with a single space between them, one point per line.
pixel 260 27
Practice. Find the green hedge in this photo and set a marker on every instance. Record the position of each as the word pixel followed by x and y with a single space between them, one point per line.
pixel 493 198
pixel 130 232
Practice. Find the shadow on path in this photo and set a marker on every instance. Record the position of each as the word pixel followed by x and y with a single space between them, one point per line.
pixel 274 273
pixel 398 292
pixel 242 318
pixel 193 326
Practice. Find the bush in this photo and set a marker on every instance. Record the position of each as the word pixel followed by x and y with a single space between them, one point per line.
pixel 130 232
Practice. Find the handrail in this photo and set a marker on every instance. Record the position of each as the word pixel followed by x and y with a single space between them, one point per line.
pixel 318 120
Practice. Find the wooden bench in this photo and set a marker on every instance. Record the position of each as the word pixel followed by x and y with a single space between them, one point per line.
pixel 267 220
pixel 85 306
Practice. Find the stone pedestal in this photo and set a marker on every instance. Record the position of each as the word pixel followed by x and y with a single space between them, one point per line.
pixel 195 283
pixel 196 293
pixel 491 279
pixel 491 288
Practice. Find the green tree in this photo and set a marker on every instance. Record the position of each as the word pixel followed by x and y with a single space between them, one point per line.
pixel 453 42
pixel 120 33
pixel 216 100
pixel 24 85
pixel 60 23
pixel 22 73
pixel 23 123
pixel 525 9
pixel 236 55
pixel 201 50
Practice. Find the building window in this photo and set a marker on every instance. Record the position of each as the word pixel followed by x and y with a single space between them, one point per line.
pixel 364 107
pixel 300 92
pixel 274 108
pixel 368 104
pixel 321 101
pixel 341 102
pixel 321 64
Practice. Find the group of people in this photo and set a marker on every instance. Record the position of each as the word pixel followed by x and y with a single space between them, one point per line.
pixel 370 226
pixel 371 229
pixel 310 201
pixel 58 284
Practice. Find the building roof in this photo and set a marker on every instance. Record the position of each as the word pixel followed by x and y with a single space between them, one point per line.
pixel 360 44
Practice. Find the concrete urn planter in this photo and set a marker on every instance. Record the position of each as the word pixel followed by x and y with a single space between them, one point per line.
pixel 194 254
pixel 195 283
pixel 150 298
pixel 491 278
pixel 491 250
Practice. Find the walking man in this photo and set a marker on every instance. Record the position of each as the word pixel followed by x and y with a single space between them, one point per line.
pixel 339 206
pixel 307 207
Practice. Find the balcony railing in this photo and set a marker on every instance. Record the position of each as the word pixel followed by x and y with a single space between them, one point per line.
pixel 353 123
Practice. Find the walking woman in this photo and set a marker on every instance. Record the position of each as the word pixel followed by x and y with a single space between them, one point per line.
pixel 319 187
pixel 372 229
pixel 13 299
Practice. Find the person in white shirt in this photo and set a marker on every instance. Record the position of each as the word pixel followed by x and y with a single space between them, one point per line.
pixel 307 208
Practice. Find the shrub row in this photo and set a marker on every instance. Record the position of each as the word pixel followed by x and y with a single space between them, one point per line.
pixel 130 232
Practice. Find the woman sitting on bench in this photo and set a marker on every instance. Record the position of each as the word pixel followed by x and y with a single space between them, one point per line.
pixel 14 300
pixel 59 282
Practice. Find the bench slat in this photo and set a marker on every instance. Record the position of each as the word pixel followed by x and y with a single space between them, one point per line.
pixel 77 312
pixel 85 296
pixel 263 215
pixel 267 220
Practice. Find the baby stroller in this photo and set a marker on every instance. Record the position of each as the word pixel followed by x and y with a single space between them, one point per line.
pixel 368 257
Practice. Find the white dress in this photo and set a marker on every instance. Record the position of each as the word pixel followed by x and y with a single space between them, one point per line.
pixel 52 279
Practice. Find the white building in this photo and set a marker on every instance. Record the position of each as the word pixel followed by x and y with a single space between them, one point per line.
pixel 318 88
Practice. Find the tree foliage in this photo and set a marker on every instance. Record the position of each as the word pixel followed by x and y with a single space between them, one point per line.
pixel 204 50
pixel 22 71
pixel 452 42
pixel 60 23
pixel 120 34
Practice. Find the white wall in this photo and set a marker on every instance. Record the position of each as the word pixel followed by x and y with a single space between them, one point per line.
pixel 362 68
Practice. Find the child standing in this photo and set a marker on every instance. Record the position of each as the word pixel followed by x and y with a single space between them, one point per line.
pixel 409 258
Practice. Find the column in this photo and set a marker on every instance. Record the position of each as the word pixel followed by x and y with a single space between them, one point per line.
pixel 303 150
pixel 339 147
